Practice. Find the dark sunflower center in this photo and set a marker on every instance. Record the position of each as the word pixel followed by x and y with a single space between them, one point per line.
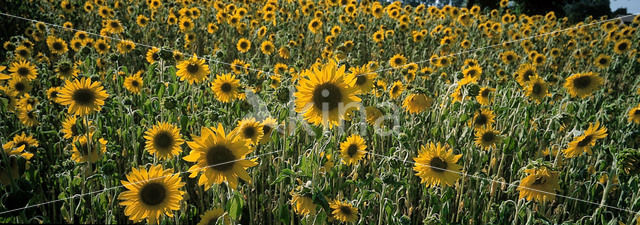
pixel 23 52
pixel 64 68
pixel 539 59
pixel 77 44
pixel 327 96
pixel 153 194
pixel 266 129
pixel 485 93
pixel 352 150
pixel 488 137
pixel 527 74
pixel 472 73
pixel 582 82
pixel 54 94
pixel 193 68
pixel 226 87
pixel 163 140
pixel 314 24
pixel 21 143
pixel 57 46
pixel 622 46
pixel 243 45
pixel 540 180
pixel 249 132
pixel 636 112
pixel 74 130
pixel 135 83
pixel 398 60
pixel 346 210
pixel 361 79
pixel 84 96
pixel 186 24
pixel 481 120
pixel 155 56
pixel 220 158
pixel 537 89
pixel 23 71
pixel 102 46
pixel 585 141
pixel 394 89
pixel 437 164
pixel 19 87
pixel 603 61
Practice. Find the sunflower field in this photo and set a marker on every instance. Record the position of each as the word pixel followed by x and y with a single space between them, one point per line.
pixel 316 112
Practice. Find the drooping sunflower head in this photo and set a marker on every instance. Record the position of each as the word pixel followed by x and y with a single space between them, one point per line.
pixel 539 185
pixel 396 89
pixel 583 84
pixel 324 96
pixel 584 142
pixel 344 211
pixel 524 74
pixel 193 70
pixel 83 96
pixel 220 157
pixel 249 129
pixel 487 137
pixel 537 89
pixel 436 165
pixel 82 152
pixel 225 87
pixel 353 149
pixel 151 194
pixel 268 126
pixel 214 216
pixel 303 204
pixel 72 127
pixel 484 97
pixel 163 140
pixel 373 115
pixel 416 103
pixel 153 55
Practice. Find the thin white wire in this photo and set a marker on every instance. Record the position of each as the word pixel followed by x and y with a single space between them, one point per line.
pixel 133 183
pixel 505 183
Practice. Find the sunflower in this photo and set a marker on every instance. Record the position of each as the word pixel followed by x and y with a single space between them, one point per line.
pixel 323 95
pixel 134 83
pixel 397 61
pixel 213 216
pixel 27 102
pixel 83 96
pixel 396 90
pixel 583 84
pixel 151 193
pixel 268 125
pixel 584 142
pixel 225 87
pixel 22 52
pixel 193 70
pixel 602 61
pixel 524 74
pixel 537 89
pixel 267 47
pixel 353 149
pixel 20 86
pixel 163 140
pixel 539 185
pixel 114 26
pixel 220 157
pixel 153 55
pixel 416 103
pixel 634 114
pixel 622 46
pixel 126 46
pixel 436 165
pixel 487 137
pixel 344 211
pixel 11 168
pixel 53 94
pixel 28 118
pixel 483 96
pixel 82 152
pixel 362 78
pixel 66 70
pixel 2 75
pixel 71 128
pixel 101 46
pixel 23 141
pixel 56 45
pixel 142 20
pixel 249 129
pixel 373 115
pixel 472 74
pixel 303 204
pixel 484 117
pixel 315 25
pixel 23 70
pixel 243 45
pixel 186 24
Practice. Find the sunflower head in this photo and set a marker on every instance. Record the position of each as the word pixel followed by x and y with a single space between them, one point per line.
pixel 487 137
pixel 213 216
pixel 436 165
pixel 416 103
pixel 220 157
pixel 539 185
pixel 249 129
pixel 163 140
pixel 353 149
pixel 226 87
pixel 151 194
pixel 324 96
pixel 83 96
pixel 344 211
pixel 583 84
pixel 194 70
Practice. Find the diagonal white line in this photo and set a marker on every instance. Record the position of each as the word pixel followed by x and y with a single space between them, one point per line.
pixel 139 182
